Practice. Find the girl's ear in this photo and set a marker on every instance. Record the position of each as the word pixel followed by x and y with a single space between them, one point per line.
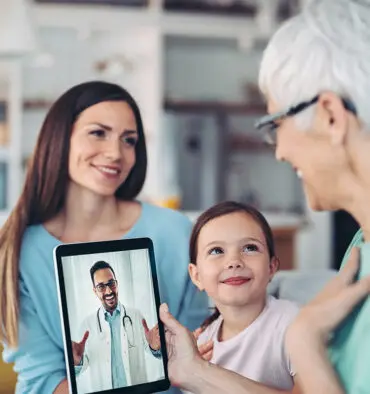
pixel 194 276
pixel 274 266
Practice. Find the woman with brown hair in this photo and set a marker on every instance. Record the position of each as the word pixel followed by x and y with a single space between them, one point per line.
pixel 87 169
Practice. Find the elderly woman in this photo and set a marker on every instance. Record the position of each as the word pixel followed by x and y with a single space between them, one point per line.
pixel 315 75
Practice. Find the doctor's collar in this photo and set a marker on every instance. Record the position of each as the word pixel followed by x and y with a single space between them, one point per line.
pixel 116 311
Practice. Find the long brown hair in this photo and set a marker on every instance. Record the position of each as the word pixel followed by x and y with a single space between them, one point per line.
pixel 45 187
pixel 222 209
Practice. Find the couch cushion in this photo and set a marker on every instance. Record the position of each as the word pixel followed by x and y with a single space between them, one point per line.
pixel 299 286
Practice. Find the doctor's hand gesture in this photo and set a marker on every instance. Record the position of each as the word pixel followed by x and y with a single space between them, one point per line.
pixel 78 349
pixel 152 336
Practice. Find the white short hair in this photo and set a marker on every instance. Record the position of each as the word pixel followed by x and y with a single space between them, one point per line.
pixel 325 47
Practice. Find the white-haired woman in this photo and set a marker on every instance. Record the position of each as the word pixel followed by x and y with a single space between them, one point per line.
pixel 315 75
pixel 316 72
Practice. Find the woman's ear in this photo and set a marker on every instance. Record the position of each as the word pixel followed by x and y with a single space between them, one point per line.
pixel 194 276
pixel 274 266
pixel 333 117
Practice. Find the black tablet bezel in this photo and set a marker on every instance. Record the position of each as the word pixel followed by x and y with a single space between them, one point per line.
pixel 75 249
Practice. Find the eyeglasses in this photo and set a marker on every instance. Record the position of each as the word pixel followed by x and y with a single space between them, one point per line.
pixel 101 287
pixel 269 123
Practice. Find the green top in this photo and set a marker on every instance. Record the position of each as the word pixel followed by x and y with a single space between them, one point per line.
pixel 350 347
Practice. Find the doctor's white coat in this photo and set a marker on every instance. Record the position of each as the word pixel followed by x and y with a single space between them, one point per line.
pixel 95 374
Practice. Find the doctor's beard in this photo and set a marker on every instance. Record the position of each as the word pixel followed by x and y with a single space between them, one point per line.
pixel 110 301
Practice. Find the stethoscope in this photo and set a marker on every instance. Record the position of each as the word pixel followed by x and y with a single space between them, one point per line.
pixel 125 316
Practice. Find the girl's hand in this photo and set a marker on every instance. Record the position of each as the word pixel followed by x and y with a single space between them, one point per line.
pixel 205 349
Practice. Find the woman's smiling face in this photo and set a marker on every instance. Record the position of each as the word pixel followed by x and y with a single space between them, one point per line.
pixel 102 147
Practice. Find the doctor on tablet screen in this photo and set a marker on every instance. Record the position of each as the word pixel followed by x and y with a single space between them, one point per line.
pixel 114 338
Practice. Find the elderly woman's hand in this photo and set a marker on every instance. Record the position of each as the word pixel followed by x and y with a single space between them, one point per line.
pixel 322 315
pixel 307 336
pixel 184 360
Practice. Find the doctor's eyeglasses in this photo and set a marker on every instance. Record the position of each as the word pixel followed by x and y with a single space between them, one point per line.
pixel 101 287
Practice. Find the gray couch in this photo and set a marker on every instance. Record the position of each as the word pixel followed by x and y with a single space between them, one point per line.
pixel 299 286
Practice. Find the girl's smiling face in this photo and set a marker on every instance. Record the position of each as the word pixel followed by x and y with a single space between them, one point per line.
pixel 233 264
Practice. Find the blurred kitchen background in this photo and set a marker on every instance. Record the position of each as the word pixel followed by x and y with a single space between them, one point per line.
pixel 192 65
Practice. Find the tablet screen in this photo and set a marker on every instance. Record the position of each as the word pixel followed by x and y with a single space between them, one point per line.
pixel 110 301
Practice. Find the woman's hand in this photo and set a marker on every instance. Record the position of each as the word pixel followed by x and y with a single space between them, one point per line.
pixel 319 317
pixel 307 336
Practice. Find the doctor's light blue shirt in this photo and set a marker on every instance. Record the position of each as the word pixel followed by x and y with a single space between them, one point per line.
pixel 117 366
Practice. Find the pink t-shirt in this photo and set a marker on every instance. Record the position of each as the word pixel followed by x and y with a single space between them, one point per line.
pixel 258 351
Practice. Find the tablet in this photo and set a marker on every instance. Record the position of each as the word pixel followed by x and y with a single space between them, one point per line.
pixel 109 305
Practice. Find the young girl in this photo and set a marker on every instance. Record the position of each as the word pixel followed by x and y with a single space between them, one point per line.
pixel 233 259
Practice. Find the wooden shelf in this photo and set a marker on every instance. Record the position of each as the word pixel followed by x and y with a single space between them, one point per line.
pixel 220 109
pixel 170 5
pixel 33 104
pixel 224 107
pixel 199 7
pixel 123 3
pixel 37 104
pixel 235 8
pixel 183 106
pixel 241 143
